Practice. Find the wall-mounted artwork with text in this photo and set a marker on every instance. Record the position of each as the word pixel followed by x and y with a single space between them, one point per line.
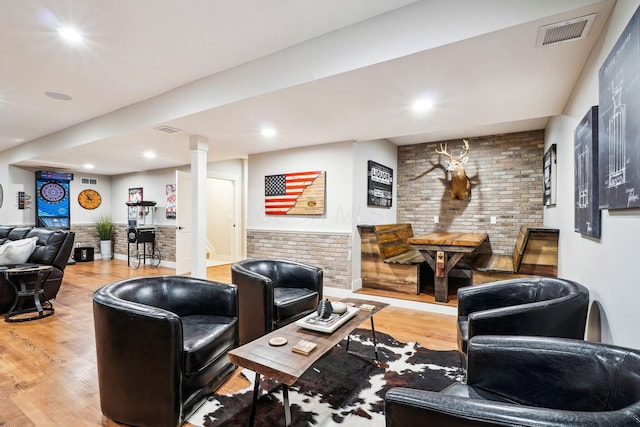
pixel 379 185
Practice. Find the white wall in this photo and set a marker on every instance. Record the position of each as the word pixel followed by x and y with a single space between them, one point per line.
pixel 335 159
pixel 384 153
pixel 14 179
pixel 153 185
pixel 24 180
pixel 606 266
pixel 79 215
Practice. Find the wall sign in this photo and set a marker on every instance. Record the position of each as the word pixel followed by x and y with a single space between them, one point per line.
pixel 379 185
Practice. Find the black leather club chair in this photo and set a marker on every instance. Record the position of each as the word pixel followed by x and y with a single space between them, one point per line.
pixel 161 345
pixel 536 306
pixel 274 293
pixel 530 381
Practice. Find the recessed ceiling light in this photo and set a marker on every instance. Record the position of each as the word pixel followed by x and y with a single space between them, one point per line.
pixel 149 155
pixel 59 96
pixel 89 166
pixel 268 132
pixel 422 105
pixel 70 34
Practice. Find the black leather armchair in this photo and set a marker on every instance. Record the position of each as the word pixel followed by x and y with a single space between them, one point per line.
pixel 537 306
pixel 274 293
pixel 530 381
pixel 161 345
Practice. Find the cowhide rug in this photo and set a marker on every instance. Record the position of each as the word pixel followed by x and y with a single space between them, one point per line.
pixel 340 388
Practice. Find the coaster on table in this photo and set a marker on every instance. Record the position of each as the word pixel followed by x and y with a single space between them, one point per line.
pixel 277 341
pixel 304 347
pixel 367 307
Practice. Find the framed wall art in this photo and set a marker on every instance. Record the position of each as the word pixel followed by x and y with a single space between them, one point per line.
pixel 295 193
pixel 379 185
pixel 587 206
pixel 170 190
pixel 135 194
pixel 550 172
pixel 618 124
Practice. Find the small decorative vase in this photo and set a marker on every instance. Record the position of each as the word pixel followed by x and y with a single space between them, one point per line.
pixel 325 309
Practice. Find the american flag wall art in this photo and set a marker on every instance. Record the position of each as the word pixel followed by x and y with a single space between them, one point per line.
pixel 295 193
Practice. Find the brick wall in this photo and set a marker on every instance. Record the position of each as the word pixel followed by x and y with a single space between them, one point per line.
pixel 506 172
pixel 165 240
pixel 329 251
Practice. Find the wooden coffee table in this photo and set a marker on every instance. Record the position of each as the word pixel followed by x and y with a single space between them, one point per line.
pixel 286 366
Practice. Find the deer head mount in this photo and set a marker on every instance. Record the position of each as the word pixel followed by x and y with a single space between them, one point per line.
pixel 460 183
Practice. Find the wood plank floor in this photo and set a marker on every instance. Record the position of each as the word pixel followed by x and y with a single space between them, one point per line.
pixel 48 373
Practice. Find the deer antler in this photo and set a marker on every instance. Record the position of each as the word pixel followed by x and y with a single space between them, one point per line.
pixel 466 150
pixel 463 153
pixel 443 150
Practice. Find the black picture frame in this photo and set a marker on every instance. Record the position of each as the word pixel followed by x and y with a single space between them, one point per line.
pixel 586 193
pixel 379 185
pixel 618 124
pixel 135 194
pixel 549 164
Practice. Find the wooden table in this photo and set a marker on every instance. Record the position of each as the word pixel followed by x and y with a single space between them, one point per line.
pixel 443 251
pixel 285 366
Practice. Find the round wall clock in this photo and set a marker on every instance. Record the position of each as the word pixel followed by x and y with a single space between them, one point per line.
pixel 52 192
pixel 89 199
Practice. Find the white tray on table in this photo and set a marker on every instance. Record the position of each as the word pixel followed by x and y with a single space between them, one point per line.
pixel 316 323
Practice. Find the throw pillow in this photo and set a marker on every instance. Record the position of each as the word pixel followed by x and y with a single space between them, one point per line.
pixel 17 251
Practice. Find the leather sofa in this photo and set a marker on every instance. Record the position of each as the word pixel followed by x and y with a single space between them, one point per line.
pixel 53 247
pixel 535 306
pixel 530 381
pixel 161 345
pixel 274 293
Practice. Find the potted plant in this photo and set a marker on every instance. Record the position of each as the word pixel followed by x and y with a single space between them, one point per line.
pixel 104 228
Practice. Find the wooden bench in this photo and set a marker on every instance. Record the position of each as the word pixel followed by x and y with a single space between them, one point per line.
pixel 389 262
pixel 535 254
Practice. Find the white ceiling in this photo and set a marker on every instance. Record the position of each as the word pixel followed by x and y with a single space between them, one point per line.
pixel 318 71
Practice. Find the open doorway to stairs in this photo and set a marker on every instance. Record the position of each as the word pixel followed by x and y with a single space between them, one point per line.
pixel 221 222
pixel 223 231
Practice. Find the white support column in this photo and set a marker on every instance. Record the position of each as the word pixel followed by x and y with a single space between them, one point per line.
pixel 199 146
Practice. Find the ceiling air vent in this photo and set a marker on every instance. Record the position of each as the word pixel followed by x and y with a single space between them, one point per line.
pixel 168 129
pixel 566 31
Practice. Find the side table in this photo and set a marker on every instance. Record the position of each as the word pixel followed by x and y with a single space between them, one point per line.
pixel 28 291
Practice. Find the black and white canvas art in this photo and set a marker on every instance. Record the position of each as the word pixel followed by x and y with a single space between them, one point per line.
pixel 549 183
pixel 619 127
pixel 379 185
pixel 587 211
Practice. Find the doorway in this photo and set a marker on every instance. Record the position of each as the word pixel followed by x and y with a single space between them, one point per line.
pixel 221 221
pixel 223 236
